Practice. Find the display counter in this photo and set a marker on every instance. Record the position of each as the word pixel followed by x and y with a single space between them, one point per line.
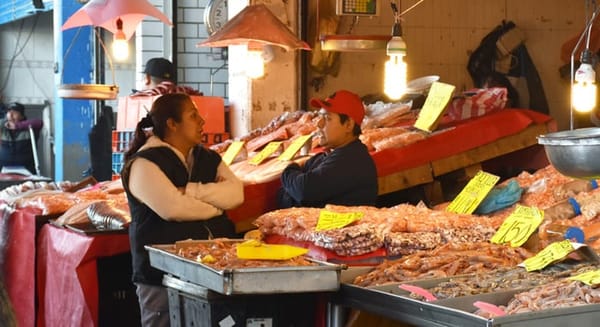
pixel 457 312
pixel 459 145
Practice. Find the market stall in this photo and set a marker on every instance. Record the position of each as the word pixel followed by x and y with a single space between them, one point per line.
pixel 459 145
pixel 80 262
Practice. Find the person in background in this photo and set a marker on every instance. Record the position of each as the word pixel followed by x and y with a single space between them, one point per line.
pixel 15 139
pixel 176 190
pixel 345 173
pixel 159 78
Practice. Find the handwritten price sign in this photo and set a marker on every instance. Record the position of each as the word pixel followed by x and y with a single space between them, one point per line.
pixel 589 278
pixel 334 220
pixel 548 255
pixel 473 193
pixel 519 226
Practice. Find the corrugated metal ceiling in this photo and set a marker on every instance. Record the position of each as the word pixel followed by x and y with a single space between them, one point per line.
pixel 11 10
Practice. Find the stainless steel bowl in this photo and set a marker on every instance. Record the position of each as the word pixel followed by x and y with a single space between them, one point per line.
pixel 574 153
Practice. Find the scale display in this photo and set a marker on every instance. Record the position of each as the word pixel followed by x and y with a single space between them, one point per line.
pixel 357 7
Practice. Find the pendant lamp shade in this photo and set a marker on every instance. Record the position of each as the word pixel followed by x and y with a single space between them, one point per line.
pixel 255 25
pixel 104 13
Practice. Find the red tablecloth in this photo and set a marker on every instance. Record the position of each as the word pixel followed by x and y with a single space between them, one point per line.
pixel 67 275
pixel 457 138
pixel 258 199
pixel 19 266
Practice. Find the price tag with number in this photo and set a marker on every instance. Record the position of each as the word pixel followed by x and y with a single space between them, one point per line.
pixel 266 152
pixel 517 227
pixel 548 255
pixel 433 108
pixel 333 220
pixel 473 193
pixel 232 151
pixel 291 151
pixel 589 278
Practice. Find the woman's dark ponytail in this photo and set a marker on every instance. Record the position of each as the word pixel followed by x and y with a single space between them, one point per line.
pixel 140 136
pixel 165 107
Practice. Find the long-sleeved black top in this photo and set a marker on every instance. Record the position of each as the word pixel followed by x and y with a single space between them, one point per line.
pixel 344 176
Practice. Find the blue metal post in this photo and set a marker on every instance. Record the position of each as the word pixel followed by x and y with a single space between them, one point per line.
pixel 72 119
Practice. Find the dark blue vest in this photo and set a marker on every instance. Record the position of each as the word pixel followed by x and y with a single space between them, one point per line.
pixel 148 228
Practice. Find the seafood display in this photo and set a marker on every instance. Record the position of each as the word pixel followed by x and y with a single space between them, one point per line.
pixel 214 264
pixel 221 254
pixel 444 261
pixel 378 226
pixel 559 294
pixel 503 279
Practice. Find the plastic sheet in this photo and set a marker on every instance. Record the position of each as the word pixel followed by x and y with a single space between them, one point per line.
pixel 20 265
pixel 67 275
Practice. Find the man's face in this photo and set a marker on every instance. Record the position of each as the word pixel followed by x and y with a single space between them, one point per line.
pixel 334 133
pixel 13 116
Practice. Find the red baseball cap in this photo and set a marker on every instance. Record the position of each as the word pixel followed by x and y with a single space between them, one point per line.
pixel 342 102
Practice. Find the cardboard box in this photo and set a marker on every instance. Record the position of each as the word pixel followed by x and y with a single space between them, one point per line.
pixel 132 109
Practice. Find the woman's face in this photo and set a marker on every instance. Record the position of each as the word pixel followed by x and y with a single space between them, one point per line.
pixel 191 126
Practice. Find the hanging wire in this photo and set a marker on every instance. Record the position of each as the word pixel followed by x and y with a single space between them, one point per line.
pixel 590 8
pixel 395 10
pixel 591 15
pixel 18 50
pixel 110 62
pixel 352 24
pixel 99 37
pixel 410 8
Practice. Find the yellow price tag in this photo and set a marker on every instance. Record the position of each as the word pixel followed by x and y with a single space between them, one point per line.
pixel 232 151
pixel 473 193
pixel 433 108
pixel 266 152
pixel 589 278
pixel 548 255
pixel 333 220
pixel 256 250
pixel 518 227
pixel 291 151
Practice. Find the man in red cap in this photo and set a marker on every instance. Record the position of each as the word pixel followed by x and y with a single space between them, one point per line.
pixel 346 174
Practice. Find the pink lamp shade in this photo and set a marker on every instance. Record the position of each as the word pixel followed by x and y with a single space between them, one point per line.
pixel 255 25
pixel 104 13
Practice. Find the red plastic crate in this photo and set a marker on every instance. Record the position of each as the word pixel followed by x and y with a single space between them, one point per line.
pixel 132 109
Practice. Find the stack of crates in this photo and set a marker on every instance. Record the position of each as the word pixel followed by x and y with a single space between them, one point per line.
pixel 120 144
pixel 131 109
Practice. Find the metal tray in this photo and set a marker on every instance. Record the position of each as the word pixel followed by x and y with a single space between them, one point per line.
pixel 323 277
pixel 458 311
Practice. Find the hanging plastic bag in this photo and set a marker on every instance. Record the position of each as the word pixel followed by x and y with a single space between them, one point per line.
pixel 477 102
pixel 500 198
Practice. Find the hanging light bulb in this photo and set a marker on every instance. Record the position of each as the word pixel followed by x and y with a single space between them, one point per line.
pixel 583 94
pixel 255 65
pixel 120 46
pixel 395 68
